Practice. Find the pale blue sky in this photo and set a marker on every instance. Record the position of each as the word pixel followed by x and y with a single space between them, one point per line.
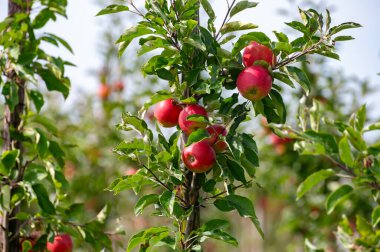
pixel 360 57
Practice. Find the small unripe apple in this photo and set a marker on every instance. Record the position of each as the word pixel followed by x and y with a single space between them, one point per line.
pixel 104 91
pixel 215 131
pixel 61 243
pixel 167 113
pixel 254 83
pixel 199 157
pixel 119 86
pixel 256 51
pixel 188 126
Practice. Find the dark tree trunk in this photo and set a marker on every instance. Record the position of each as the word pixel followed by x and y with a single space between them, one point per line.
pixel 9 232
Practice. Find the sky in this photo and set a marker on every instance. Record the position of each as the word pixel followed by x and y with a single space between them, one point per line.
pixel 360 57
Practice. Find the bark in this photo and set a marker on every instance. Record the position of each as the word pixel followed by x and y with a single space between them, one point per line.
pixel 9 232
pixel 192 189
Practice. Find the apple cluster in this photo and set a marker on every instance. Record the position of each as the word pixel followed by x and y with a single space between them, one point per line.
pixel 255 81
pixel 199 156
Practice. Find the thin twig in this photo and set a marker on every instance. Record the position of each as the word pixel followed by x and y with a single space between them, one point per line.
pixel 225 18
pixel 225 191
pixel 163 184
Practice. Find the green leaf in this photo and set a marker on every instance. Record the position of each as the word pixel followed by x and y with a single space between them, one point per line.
pixel 145 201
pixel 245 209
pixel 37 98
pixel 8 161
pixel 299 76
pixel 343 26
pixel 53 83
pixel 283 78
pixel 165 74
pixel 237 26
pixel 195 43
pixel 144 236
pixel 214 225
pixel 375 216
pixel 360 118
pixel 113 8
pixel 299 27
pixel 246 39
pixel 197 136
pixel 167 200
pixel 128 182
pixel 130 34
pixel 242 5
pixel 345 152
pixel 219 235
pixel 156 98
pixel 62 42
pixel 42 18
pixel 337 197
pixel 363 227
pixel 208 8
pixel 312 181
pixel 43 199
pixel 236 170
pixel 343 38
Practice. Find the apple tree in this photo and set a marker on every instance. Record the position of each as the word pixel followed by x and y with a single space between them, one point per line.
pixel 35 210
pixel 206 159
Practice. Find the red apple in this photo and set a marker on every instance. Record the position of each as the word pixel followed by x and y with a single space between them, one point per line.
pixel 254 83
pixel 215 131
pixel 131 171
pixel 119 86
pixel 256 51
pixel 167 113
pixel 278 140
pixel 190 126
pixel 199 157
pixel 61 243
pixel 104 91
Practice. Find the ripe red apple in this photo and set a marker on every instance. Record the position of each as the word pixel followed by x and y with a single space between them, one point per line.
pixel 256 51
pixel 215 131
pixel 119 86
pixel 199 157
pixel 131 171
pixel 104 91
pixel 254 83
pixel 61 243
pixel 190 126
pixel 167 113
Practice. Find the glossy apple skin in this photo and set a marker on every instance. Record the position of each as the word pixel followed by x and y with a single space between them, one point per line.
pixel 167 113
pixel 199 157
pixel 190 126
pixel 215 131
pixel 254 83
pixel 256 51
pixel 61 243
pixel 104 91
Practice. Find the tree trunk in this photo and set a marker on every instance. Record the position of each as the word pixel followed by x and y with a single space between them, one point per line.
pixel 193 186
pixel 9 232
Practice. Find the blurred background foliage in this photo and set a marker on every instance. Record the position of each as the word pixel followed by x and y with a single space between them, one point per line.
pixel 89 133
